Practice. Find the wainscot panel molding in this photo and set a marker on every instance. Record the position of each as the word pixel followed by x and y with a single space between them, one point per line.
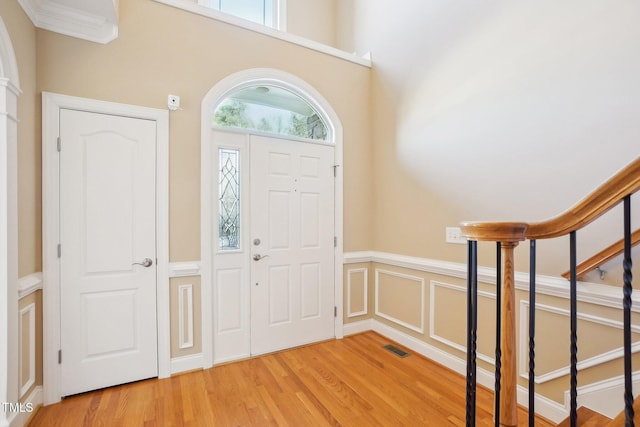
pixel 419 281
pixel 433 305
pixel 614 354
pixel 593 293
pixel 27 326
pixel 185 316
pixel 184 269
pixel 364 283
pixel 29 284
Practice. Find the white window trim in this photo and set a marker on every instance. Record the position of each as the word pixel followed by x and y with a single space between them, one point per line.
pixel 202 10
pixel 278 12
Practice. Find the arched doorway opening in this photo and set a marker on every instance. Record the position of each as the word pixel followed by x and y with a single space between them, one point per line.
pixel 259 292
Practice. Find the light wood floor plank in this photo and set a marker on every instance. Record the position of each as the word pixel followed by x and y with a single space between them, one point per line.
pixel 349 382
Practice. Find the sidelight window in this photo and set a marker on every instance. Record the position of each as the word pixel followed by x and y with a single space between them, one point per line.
pixel 229 199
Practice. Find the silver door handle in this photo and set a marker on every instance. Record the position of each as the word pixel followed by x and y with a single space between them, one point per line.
pixel 258 257
pixel 145 262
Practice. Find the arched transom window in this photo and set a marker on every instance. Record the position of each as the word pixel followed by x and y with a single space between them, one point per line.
pixel 272 109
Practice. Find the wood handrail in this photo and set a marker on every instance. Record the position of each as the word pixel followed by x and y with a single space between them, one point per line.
pixel 603 256
pixel 604 198
pixel 622 184
pixel 625 182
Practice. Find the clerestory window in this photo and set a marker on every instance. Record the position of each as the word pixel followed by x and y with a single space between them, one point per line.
pixel 271 109
pixel 264 12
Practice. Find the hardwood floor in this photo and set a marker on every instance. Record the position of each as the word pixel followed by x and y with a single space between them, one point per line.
pixel 349 382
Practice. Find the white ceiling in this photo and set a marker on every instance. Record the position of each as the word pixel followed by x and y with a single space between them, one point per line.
pixel 93 20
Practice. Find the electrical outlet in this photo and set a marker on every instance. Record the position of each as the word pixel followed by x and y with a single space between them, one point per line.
pixel 454 235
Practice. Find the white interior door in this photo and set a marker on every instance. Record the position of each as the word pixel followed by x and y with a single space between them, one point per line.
pixel 108 250
pixel 292 240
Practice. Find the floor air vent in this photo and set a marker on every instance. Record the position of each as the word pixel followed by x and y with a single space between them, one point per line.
pixel 395 350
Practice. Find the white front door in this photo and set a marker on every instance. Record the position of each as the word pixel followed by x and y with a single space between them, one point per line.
pixel 292 231
pixel 107 250
pixel 273 266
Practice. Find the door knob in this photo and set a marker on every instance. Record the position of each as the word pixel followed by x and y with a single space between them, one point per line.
pixel 258 257
pixel 145 262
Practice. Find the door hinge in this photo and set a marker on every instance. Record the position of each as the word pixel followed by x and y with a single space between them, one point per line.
pixel 335 311
pixel 59 144
pixel 335 170
pixel 59 357
pixel 59 250
pixel 335 241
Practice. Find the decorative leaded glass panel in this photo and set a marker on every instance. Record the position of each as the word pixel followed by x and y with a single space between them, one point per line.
pixel 229 199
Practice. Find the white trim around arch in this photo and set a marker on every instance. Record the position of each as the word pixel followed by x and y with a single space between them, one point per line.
pixel 51 106
pixel 9 92
pixel 232 83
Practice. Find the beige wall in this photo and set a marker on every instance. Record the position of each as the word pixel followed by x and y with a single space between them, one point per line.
pixel 313 19
pixel 23 38
pixel 146 63
pixel 501 112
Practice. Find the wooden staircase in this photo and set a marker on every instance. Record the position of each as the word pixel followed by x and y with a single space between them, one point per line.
pixel 507 235
pixel 619 420
pixel 589 418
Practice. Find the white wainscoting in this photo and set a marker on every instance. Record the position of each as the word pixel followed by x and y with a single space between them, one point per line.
pixel 592 293
pixel 600 359
pixel 185 315
pixel 433 306
pixel 29 284
pixel 358 277
pixel 27 326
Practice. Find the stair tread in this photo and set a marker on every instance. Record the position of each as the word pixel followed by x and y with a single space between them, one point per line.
pixel 587 418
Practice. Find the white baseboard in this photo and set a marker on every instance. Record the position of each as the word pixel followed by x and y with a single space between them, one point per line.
pixel 357 327
pixel 191 362
pixel 33 401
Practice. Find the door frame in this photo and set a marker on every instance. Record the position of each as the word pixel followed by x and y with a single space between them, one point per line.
pixel 232 83
pixel 51 105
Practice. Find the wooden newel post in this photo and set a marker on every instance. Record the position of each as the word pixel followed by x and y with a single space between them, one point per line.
pixel 509 234
pixel 509 379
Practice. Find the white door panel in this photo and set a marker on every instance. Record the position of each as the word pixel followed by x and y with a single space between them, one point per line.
pixel 107 223
pixel 292 213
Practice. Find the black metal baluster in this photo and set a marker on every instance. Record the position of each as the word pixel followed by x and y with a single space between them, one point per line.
pixel 627 289
pixel 472 327
pixel 532 331
pixel 498 373
pixel 573 296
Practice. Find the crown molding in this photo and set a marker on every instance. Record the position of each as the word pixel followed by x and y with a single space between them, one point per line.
pixel 95 21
